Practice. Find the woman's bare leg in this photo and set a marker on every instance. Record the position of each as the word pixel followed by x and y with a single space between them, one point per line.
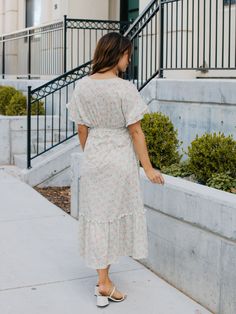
pixel 107 271
pixel 105 283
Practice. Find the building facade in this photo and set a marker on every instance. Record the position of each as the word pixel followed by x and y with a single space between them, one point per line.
pixel 199 36
pixel 18 14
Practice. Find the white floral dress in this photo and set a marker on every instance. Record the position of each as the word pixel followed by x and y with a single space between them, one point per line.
pixel 112 217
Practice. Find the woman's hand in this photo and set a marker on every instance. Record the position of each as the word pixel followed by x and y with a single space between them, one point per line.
pixel 155 176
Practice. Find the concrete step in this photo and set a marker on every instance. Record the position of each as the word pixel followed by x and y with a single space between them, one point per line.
pixel 20 160
pixel 57 135
pixel 41 145
pixel 12 170
pixel 49 165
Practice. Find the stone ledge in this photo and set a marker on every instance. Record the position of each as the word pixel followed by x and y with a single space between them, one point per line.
pixel 203 206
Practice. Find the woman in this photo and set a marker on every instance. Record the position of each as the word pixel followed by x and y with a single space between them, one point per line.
pixel 108 110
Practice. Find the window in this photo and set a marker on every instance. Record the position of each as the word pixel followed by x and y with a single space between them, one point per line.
pixel 33 12
pixel 228 1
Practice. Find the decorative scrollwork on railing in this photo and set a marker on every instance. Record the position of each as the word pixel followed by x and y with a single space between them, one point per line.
pixel 60 82
pixel 69 78
pixel 97 24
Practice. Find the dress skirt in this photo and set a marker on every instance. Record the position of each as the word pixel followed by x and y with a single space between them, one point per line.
pixel 112 217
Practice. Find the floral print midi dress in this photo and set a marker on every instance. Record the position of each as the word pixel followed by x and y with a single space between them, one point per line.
pixel 112 217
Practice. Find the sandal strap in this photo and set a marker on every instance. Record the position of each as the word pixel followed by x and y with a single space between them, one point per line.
pixel 112 291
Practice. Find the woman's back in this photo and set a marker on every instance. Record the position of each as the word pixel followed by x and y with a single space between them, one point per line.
pixel 106 103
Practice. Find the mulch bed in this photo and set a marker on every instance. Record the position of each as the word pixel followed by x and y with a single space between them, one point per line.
pixel 60 196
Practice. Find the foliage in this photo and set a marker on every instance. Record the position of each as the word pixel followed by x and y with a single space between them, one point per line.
pixel 161 139
pixel 18 106
pixel 6 93
pixel 178 169
pixel 222 181
pixel 210 154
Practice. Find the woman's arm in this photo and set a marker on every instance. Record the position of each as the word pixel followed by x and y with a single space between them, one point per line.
pixel 83 134
pixel 140 146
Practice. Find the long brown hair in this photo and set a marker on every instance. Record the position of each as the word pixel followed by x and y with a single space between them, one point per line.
pixel 109 49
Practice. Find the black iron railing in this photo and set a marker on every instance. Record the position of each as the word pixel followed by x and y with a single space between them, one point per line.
pixel 54 128
pixel 53 49
pixel 168 35
pixel 145 63
pixel 33 52
pixel 81 37
pixel 199 35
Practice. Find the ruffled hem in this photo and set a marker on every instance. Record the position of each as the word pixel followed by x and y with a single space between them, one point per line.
pixel 111 261
pixel 102 243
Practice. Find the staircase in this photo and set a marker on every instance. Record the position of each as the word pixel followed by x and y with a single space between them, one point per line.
pixel 57 92
pixel 52 137
pixel 161 41
pixel 49 148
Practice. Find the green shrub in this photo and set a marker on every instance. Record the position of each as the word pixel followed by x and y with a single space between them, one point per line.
pixel 37 107
pixel 212 153
pixel 6 93
pixel 177 170
pixel 161 139
pixel 18 106
pixel 222 181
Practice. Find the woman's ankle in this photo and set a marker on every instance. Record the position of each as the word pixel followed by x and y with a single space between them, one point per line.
pixel 105 283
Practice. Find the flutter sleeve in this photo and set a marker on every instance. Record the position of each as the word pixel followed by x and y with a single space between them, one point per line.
pixel 133 105
pixel 74 107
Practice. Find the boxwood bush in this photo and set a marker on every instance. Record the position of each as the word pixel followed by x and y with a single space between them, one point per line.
pixel 161 139
pixel 211 154
pixel 6 93
pixel 14 103
pixel 18 106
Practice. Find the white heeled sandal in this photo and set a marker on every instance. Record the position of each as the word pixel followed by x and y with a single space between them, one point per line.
pixel 96 292
pixel 114 299
pixel 104 300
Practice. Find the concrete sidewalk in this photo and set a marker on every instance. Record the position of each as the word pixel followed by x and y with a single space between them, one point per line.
pixel 42 273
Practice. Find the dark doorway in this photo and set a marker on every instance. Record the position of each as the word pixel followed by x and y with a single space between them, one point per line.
pixel 129 11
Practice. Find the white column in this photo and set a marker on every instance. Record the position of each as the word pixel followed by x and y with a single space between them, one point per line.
pixel 11 25
pixel 21 13
pixel 11 16
pixel 2 17
pixel 114 10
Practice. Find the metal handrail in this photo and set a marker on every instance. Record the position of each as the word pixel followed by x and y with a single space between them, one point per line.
pixel 45 27
pixel 153 54
pixel 49 50
pixel 60 86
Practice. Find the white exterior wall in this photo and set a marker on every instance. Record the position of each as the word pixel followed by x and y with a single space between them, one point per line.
pixel 12 12
pixel 12 18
